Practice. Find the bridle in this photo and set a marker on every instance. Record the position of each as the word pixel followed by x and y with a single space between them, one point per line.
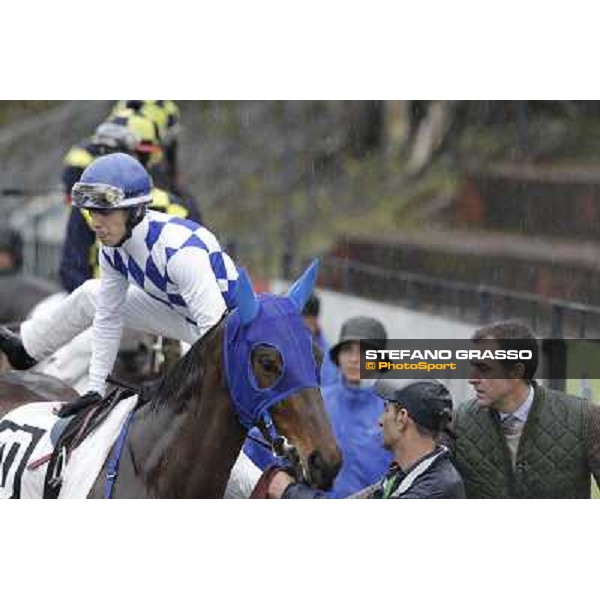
pixel 281 447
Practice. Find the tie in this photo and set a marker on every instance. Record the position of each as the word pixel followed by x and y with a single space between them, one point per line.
pixel 511 425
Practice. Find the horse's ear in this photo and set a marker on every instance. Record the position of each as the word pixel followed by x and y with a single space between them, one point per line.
pixel 301 290
pixel 247 303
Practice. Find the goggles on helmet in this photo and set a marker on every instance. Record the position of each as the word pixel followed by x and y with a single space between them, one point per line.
pixel 103 196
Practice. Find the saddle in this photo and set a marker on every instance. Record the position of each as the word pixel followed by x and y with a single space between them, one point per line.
pixel 68 434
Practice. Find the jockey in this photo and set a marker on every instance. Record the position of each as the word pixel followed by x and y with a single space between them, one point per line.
pixel 159 274
pixel 165 114
pixel 125 131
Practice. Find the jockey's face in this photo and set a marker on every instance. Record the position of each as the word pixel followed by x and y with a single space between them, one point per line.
pixel 109 225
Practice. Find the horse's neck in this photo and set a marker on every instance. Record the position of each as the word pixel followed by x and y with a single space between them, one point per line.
pixel 189 453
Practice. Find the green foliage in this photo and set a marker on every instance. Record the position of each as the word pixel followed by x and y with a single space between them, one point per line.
pixel 13 110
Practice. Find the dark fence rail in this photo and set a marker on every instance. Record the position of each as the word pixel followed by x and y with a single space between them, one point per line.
pixel 549 317
pixel 42 258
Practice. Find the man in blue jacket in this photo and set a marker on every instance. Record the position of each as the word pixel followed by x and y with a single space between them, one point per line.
pixel 415 415
pixel 354 408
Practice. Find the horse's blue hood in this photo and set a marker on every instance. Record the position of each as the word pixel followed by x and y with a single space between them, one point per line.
pixel 278 323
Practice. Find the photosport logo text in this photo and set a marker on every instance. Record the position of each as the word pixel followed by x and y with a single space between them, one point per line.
pixel 456 359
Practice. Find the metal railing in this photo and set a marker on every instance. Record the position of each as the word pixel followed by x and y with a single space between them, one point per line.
pixel 41 221
pixel 549 317
pixel 41 258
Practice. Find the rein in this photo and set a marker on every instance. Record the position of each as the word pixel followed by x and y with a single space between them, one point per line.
pixel 136 389
pixel 112 470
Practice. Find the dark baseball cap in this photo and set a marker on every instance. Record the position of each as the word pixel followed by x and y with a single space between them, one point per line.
pixel 429 403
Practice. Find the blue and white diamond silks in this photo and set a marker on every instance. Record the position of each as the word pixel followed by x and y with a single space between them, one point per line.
pixel 144 258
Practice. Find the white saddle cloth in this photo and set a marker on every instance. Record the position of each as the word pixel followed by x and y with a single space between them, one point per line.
pixel 25 437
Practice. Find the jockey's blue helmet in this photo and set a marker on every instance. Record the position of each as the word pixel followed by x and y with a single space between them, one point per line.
pixel 111 182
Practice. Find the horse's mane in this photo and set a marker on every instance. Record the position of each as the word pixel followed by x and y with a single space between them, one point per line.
pixel 176 386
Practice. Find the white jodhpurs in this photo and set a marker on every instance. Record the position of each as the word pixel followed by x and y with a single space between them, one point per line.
pixel 43 334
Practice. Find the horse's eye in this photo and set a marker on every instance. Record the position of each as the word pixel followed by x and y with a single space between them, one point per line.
pixel 269 365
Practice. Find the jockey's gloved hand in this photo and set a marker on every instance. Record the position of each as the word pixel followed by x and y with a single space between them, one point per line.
pixel 71 408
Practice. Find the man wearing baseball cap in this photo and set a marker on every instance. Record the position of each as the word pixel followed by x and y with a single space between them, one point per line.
pixel 414 417
pixel 415 414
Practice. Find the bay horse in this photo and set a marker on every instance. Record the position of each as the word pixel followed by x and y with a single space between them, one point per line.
pixel 256 366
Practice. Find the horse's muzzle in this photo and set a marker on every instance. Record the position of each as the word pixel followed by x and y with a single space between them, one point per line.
pixel 323 472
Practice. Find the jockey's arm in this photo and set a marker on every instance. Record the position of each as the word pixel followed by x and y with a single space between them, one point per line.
pixel 190 269
pixel 108 324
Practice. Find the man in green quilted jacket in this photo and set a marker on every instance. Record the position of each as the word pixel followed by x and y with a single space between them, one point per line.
pixel 517 439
